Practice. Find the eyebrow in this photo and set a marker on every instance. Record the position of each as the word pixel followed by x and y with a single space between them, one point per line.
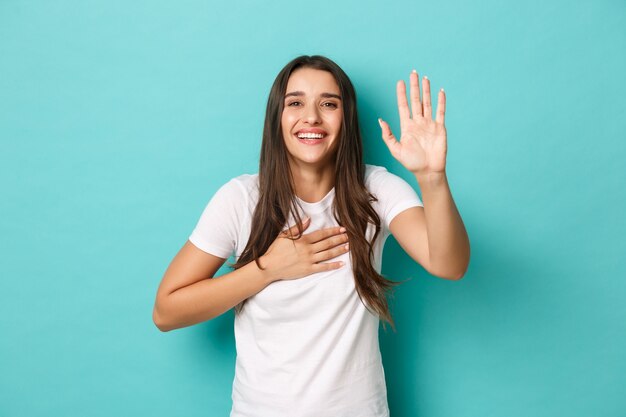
pixel 324 95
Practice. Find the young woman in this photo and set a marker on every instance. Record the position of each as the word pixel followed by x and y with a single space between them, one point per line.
pixel 307 233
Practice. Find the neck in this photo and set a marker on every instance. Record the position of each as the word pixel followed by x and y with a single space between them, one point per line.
pixel 313 183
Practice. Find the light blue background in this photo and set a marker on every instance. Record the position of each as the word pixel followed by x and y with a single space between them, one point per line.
pixel 119 120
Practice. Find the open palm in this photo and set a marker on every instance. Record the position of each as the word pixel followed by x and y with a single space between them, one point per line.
pixel 423 142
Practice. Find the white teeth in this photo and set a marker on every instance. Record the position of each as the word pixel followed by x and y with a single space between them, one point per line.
pixel 310 135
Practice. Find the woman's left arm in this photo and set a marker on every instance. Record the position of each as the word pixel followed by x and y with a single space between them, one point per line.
pixel 433 235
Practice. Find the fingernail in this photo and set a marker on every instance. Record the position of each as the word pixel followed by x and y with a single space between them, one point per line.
pixel 306 219
pixel 347 246
pixel 380 122
pixel 414 71
pixel 442 89
pixel 341 263
pixel 342 230
pixel 425 77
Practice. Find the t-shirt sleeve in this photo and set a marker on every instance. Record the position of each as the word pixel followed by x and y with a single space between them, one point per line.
pixel 394 195
pixel 216 230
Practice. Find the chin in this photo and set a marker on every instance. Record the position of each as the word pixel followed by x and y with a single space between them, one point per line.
pixel 320 160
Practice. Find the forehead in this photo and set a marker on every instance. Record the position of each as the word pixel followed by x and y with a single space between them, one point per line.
pixel 312 81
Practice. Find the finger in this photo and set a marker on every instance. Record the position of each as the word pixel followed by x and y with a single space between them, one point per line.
pixel 331 253
pixel 428 110
pixel 294 231
pixel 322 234
pixel 441 107
pixel 416 104
pixel 330 242
pixel 326 266
pixel 403 105
pixel 390 140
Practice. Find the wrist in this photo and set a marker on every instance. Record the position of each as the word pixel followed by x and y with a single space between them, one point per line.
pixel 266 273
pixel 430 179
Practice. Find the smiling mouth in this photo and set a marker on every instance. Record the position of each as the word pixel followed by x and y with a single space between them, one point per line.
pixel 310 138
pixel 310 135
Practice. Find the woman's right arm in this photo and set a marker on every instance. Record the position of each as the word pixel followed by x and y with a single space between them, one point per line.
pixel 188 293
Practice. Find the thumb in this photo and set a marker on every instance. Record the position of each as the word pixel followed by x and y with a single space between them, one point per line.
pixel 389 139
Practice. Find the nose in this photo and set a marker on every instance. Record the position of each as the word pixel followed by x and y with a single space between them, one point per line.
pixel 311 114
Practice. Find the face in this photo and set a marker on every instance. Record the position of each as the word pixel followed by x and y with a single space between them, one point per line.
pixel 311 119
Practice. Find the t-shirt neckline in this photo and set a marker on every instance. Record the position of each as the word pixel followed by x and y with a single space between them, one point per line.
pixel 318 206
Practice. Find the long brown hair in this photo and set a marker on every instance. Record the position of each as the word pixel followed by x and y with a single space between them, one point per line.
pixel 352 204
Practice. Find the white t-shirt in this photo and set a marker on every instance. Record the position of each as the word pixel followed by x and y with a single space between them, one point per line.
pixel 306 347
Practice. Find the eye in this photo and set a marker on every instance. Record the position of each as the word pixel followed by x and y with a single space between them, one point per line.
pixel 330 104
pixel 294 104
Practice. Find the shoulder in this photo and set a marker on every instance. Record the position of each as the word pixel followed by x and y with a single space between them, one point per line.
pixel 234 195
pixel 393 194
pixel 373 171
pixel 245 182
pixel 241 186
pixel 377 177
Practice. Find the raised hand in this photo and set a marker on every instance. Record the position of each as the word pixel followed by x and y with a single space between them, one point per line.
pixel 423 141
pixel 291 258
